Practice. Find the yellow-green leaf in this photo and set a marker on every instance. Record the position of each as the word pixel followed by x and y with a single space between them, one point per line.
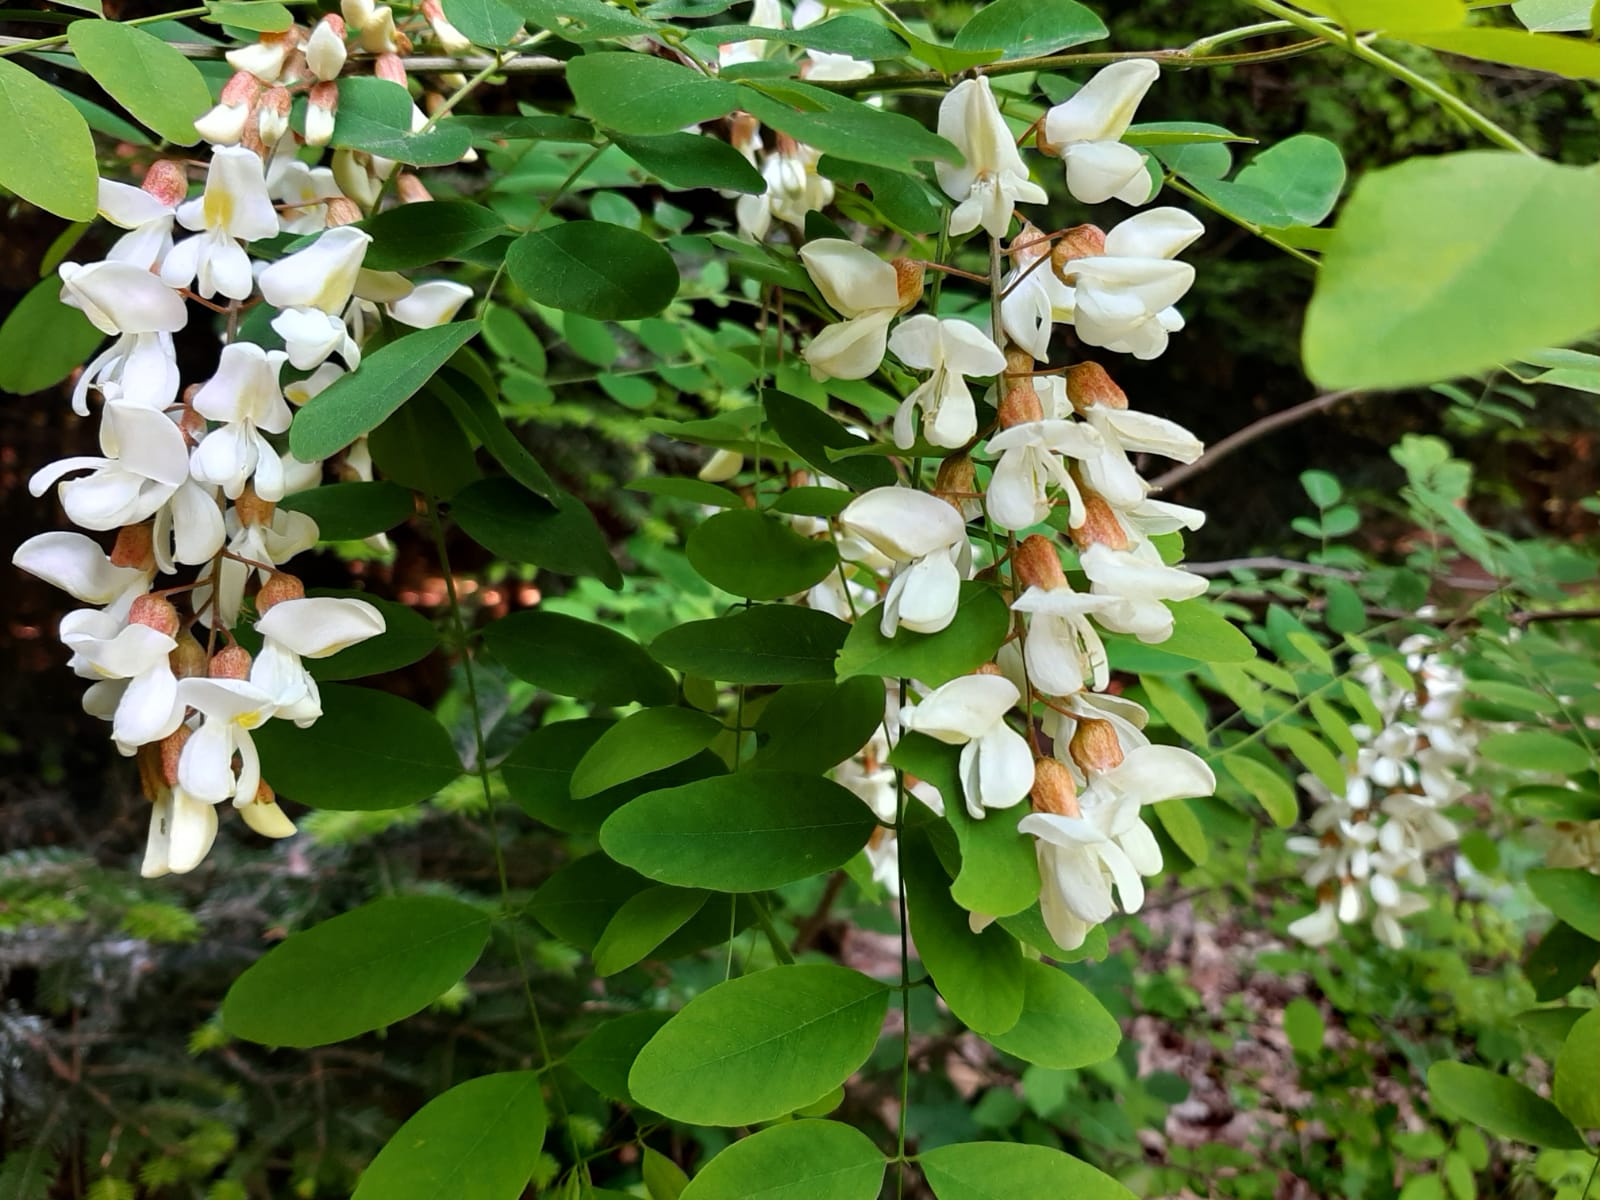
pixel 158 86
pixel 46 150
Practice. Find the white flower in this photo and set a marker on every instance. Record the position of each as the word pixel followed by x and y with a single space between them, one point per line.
pixel 794 188
pixel 1030 461
pixel 863 289
pixel 996 763
pixel 230 709
pixel 189 527
pixel 234 207
pixel 1138 581
pixel 325 49
pixel 1062 650
pixel 927 539
pixel 127 300
pixel 265 58
pixel 993 179
pixel 1123 299
pixel 1032 298
pixel 244 395
pixel 310 336
pixel 224 124
pixel 309 627
pixel 144 462
pixel 302 191
pixel 322 276
pixel 131 661
pixel 835 68
pixel 432 303
pixel 148 219
pixel 76 564
pixel 951 350
pixel 181 832
pixel 1317 928
pixel 1121 429
pixel 1081 857
pixel 1087 127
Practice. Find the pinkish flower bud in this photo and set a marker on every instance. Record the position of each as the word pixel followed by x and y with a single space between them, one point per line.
pixel 411 190
pixel 231 662
pixel 323 103
pixel 156 612
pixel 167 181
pixel 280 586
pixel 272 115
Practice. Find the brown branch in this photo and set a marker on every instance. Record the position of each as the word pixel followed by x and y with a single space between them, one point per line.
pixel 1243 437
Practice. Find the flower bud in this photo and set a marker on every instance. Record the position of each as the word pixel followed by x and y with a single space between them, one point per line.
pixel 231 662
pixel 325 49
pixel 156 612
pixel 167 181
pixel 1100 525
pixel 1019 363
pixel 189 660
pixel 351 171
pixel 266 57
pixel 451 40
pixel 323 103
pixel 191 422
pixel 1083 241
pixel 356 13
pixel 1088 383
pixel 272 115
pixel 378 35
pixel 342 210
pixel 989 668
pixel 224 124
pixel 908 277
pixel 721 467
pixel 280 586
pixel 148 759
pixel 171 748
pixel 134 547
pixel 1029 246
pixel 1095 747
pixel 410 189
pixel 252 509
pixel 1020 406
pixel 957 480
pixel 1053 789
pixel 1037 564
pixel 389 66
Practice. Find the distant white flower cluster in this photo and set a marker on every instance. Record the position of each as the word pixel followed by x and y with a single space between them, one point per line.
pixel 191 477
pixel 1039 721
pixel 1376 834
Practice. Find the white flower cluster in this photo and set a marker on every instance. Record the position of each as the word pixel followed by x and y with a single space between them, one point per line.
pixel 1064 439
pixel 191 476
pixel 1377 833
pixel 794 185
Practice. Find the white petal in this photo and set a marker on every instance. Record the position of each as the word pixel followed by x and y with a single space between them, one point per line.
pixel 76 564
pixel 119 297
pixel 852 279
pixel 930 594
pixel 317 626
pixel 1154 773
pixel 430 304
pixel 192 829
pixel 903 523
pixel 322 276
pixel 1155 233
pixel 963 709
pixel 851 349
pixel 1097 171
pixel 1005 766
pixel 1103 108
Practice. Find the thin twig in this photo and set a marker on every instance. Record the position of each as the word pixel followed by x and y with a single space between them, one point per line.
pixel 1243 437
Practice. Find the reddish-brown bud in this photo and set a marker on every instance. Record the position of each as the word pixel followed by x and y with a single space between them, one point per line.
pixel 1088 383
pixel 390 67
pixel 1019 363
pixel 1020 406
pixel 189 660
pixel 1037 564
pixel 134 547
pixel 1029 246
pixel 171 748
pixel 957 480
pixel 743 129
pixel 252 509
pixel 410 189
pixel 167 181
pixel 908 277
pixel 1095 747
pixel 989 668
pixel 1053 789
pixel 280 586
pixel 342 210
pixel 242 88
pixel 1084 241
pixel 191 423
pixel 1100 525
pixel 231 662
pixel 156 612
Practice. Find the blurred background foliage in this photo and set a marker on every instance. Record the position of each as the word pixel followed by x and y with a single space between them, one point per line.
pixel 1252 1067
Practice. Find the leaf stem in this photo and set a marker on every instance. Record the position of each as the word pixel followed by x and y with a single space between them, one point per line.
pixel 764 918
pixel 1359 49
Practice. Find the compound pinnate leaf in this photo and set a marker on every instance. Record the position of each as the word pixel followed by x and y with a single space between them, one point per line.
pixel 356 972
